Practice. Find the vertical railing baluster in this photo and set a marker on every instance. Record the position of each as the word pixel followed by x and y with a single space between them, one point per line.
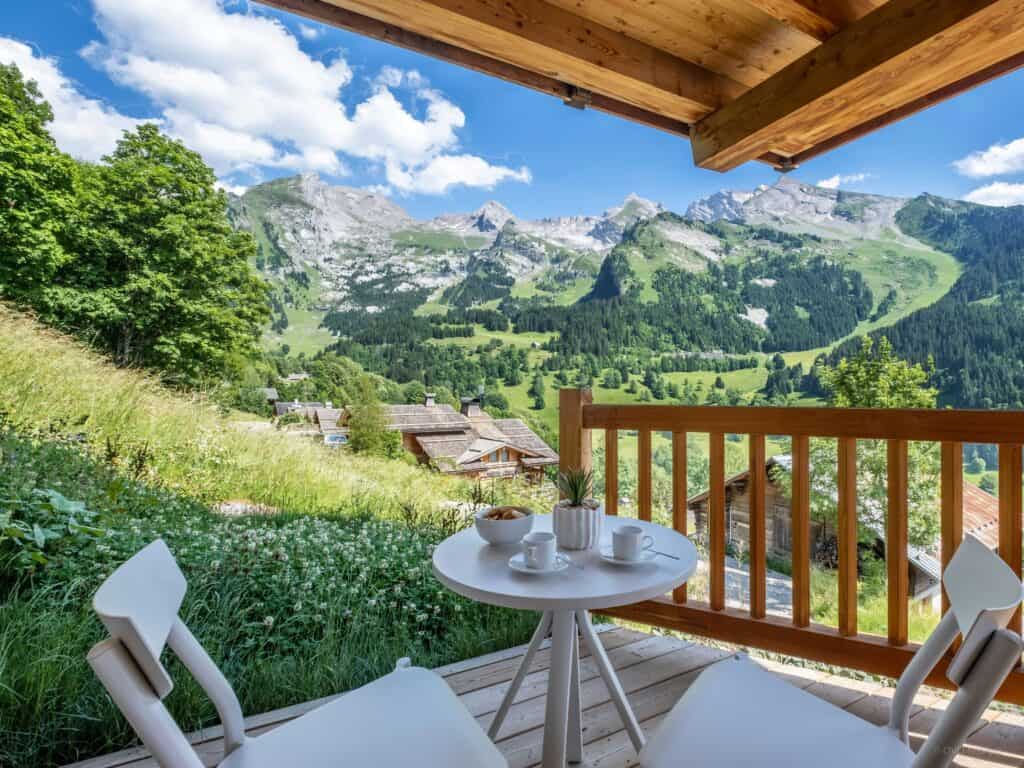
pixel 643 480
pixel 611 471
pixel 1009 513
pixel 847 535
pixel 952 518
pixel 758 529
pixel 716 520
pixel 574 449
pixel 896 542
pixel 801 530
pixel 679 496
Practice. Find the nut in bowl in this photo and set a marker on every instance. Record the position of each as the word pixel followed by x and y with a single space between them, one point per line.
pixel 503 526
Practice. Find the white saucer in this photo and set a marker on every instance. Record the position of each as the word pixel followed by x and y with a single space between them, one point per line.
pixel 518 563
pixel 608 555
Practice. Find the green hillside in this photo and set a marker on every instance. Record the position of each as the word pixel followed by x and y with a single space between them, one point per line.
pixel 292 591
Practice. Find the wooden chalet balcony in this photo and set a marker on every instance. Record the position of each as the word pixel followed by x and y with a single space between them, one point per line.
pixel 843 645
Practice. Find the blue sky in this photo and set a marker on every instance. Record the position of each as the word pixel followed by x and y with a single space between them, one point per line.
pixel 264 94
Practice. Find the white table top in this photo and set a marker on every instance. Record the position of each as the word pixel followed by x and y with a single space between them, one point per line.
pixel 470 566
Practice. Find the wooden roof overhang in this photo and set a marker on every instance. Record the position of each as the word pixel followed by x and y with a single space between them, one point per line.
pixel 779 81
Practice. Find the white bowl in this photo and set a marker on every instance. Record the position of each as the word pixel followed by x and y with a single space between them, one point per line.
pixel 503 532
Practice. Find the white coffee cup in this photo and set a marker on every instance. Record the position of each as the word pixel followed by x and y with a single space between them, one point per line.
pixel 629 542
pixel 539 550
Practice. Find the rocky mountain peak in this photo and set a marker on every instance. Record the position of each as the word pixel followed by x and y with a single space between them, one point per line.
pixel 725 204
pixel 633 208
pixel 491 216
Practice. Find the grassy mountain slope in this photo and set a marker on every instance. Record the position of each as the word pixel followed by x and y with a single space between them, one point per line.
pixel 319 597
pixel 47 381
pixel 973 331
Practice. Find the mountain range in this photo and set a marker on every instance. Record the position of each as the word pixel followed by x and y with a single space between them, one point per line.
pixel 329 247
pixel 788 267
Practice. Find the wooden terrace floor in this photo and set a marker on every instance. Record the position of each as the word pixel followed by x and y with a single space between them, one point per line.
pixel 655 670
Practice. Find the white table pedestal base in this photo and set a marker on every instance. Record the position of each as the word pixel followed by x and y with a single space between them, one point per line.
pixel 563 737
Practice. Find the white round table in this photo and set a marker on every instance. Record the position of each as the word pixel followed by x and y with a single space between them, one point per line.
pixel 468 565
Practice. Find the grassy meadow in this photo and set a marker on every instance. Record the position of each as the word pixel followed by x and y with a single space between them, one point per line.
pixel 320 589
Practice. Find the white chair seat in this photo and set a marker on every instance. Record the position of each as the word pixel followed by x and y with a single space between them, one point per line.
pixel 407 718
pixel 737 714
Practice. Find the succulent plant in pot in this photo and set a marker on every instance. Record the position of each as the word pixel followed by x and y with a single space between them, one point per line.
pixel 577 517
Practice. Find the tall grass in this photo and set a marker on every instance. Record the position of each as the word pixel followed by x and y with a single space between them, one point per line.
pixel 294 604
pixel 46 379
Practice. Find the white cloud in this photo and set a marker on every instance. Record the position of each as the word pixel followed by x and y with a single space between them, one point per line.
pixel 997 193
pixel 834 182
pixel 308 32
pixel 234 189
pixel 447 171
pixel 240 90
pixel 996 160
pixel 83 127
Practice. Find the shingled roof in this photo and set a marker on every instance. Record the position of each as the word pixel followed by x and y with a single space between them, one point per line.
pixel 415 419
pixel 482 435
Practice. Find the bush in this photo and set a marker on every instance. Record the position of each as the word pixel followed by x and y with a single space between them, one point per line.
pixel 37 529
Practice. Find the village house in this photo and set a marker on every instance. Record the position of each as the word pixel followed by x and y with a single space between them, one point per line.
pixel 980 514
pixel 306 410
pixel 466 442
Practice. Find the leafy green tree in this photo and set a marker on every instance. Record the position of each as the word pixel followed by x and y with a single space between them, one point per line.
pixel 537 391
pixel 368 428
pixel 612 379
pixel 414 392
pixel 159 276
pixel 36 191
pixel 876 378
pixel 537 385
pixel 988 483
pixel 976 465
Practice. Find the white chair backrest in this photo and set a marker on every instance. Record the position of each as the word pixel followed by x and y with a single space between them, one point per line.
pixel 983 595
pixel 138 604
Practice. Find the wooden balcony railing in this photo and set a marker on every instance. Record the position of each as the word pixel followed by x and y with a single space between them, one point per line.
pixel 798 636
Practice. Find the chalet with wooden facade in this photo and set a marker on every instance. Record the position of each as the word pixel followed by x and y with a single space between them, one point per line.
pixel 469 441
pixel 465 442
pixel 980 510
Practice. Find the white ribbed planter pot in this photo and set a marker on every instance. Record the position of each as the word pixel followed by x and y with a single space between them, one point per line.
pixel 577 527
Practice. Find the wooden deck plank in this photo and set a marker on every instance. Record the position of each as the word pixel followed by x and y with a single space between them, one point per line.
pixel 487 700
pixel 655 671
pixel 601 721
pixel 501 671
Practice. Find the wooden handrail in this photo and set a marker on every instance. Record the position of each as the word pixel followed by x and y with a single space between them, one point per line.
pixel 965 426
pixel 798 635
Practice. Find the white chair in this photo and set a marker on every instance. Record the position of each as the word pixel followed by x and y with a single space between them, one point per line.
pixel 409 717
pixel 737 714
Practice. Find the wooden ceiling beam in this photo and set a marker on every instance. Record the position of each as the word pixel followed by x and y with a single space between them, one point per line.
pixel 326 13
pixel 998 69
pixel 537 36
pixel 894 56
pixel 332 15
pixel 801 15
